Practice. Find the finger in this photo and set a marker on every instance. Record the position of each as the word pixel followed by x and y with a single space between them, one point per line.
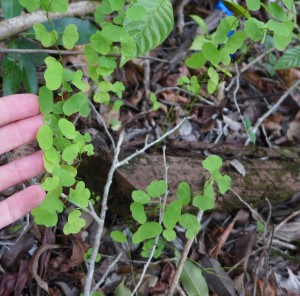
pixel 19 204
pixel 20 132
pixel 17 107
pixel 21 170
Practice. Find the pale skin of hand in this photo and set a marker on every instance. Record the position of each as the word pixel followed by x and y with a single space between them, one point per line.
pixel 20 120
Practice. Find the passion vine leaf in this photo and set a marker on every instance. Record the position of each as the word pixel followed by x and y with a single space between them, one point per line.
pixel 75 223
pixel 46 100
pixel 30 5
pixel 80 196
pixel 138 212
pixel 157 188
pixel 77 103
pixel 70 153
pixel 212 163
pixel 118 236
pixel 140 196
pixel 45 137
pixel 46 38
pixel 211 53
pixel 70 36
pixel 53 74
pixel 67 128
pixel 203 202
pixel 184 193
pixel 147 231
pixel 191 224
pixel 172 214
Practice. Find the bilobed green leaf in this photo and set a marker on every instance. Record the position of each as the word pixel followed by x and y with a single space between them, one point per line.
pixel 253 5
pixel 136 13
pixel 277 11
pixel 184 193
pixel 222 31
pixel 50 183
pixel 77 80
pixel 100 43
pixel 118 236
pixel 169 234
pixel 67 128
pixel 46 38
pixel 115 33
pixel 30 5
pixel 80 196
pixel 172 214
pixel 191 224
pixel 254 29
pixel 203 202
pixel 91 54
pixel 140 196
pixel 77 103
pixel 290 59
pixel 70 36
pixel 43 217
pixel 196 60
pixel 211 53
pixel 235 41
pixel 89 149
pixel 213 75
pixel 149 32
pixel 147 231
pixel 138 212
pixel 157 188
pixel 45 100
pixel 282 33
pixel 70 153
pixel 52 155
pixel 52 203
pixel 45 137
pixel 198 42
pixel 53 74
pixel 192 280
pixel 10 8
pixel 75 223
pixel 212 163
pixel 117 4
pixel 224 184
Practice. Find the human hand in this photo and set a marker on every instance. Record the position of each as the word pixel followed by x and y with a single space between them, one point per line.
pixel 20 120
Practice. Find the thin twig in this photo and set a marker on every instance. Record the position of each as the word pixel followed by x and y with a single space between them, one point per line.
pixel 274 107
pixel 108 270
pixel 182 260
pixel 34 51
pixel 286 220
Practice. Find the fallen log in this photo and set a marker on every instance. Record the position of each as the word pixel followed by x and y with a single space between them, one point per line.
pixel 269 173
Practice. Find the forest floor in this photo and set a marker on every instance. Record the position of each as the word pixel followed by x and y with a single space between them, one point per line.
pixel 235 253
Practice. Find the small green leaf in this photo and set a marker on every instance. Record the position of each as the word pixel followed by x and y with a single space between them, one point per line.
pixel 196 60
pixel 53 74
pixel 115 33
pixel 122 290
pixel 75 223
pixel 52 155
pixel 117 4
pixel 117 105
pixel 66 177
pixel 60 6
pixel 118 236
pixel 172 214
pixel 147 231
pixel 212 163
pixel 89 149
pixel 45 137
pixel 77 103
pixel 138 212
pixel 43 217
pixel 80 196
pixel 203 202
pixel 140 196
pixel 237 9
pixel 277 11
pixel 253 5
pixel 30 5
pixel 70 153
pixel 77 80
pixel 254 29
pixel 224 184
pixel 169 234
pixel 46 100
pixel 46 38
pixel 222 31
pixel 289 4
pixel 70 36
pixel 184 193
pixel 100 43
pixel 235 41
pixel 50 183
pixel 211 53
pixel 191 224
pixel 67 128
pixel 157 188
